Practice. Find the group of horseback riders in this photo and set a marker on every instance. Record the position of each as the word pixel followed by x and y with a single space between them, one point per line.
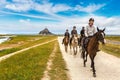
pixel 86 32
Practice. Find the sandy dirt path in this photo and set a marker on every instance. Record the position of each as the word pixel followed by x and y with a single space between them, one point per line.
pixel 107 66
pixel 11 54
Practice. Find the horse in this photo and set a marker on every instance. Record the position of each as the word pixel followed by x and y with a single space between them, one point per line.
pixel 66 42
pixel 80 43
pixel 92 48
pixel 74 44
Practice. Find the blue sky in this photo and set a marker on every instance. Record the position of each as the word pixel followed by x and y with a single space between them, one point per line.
pixel 31 16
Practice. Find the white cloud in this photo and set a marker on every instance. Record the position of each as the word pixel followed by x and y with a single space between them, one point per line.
pixel 19 5
pixel 28 15
pixel 22 1
pixel 49 8
pixel 90 8
pixel 24 21
pixel 60 7
pixel 45 6
pixel 112 24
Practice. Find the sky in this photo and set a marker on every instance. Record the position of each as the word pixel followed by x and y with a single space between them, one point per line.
pixel 31 16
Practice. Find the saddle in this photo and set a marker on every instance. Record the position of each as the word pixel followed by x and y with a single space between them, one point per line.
pixel 85 41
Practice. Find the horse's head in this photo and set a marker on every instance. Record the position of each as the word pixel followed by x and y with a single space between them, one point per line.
pixel 101 35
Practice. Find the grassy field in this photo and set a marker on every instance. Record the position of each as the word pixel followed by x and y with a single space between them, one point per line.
pixel 28 65
pixel 112 48
pixel 31 64
pixel 115 38
pixel 27 41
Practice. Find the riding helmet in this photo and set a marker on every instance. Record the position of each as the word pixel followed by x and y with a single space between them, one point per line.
pixel 74 26
pixel 91 19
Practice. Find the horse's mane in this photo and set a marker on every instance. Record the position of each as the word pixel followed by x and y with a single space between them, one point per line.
pixel 96 33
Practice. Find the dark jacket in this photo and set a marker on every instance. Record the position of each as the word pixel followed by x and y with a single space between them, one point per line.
pixel 73 32
pixel 82 32
pixel 67 34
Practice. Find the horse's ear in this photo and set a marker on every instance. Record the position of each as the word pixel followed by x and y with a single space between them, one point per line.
pixel 97 29
pixel 104 29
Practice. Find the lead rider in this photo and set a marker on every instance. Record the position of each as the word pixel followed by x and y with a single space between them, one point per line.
pixel 90 28
pixel 90 31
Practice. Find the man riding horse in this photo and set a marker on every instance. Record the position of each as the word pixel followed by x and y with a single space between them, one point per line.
pixel 73 32
pixel 89 32
pixel 67 34
pixel 82 35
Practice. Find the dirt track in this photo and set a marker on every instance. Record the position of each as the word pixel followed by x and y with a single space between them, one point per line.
pixel 107 66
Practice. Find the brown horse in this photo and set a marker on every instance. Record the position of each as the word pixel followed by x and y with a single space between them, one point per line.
pixel 66 42
pixel 92 48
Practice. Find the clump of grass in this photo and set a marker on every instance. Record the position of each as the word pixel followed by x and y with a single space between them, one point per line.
pixel 28 65
pixel 58 70
pixel 111 49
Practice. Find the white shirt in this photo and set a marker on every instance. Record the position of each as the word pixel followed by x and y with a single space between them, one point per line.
pixel 90 31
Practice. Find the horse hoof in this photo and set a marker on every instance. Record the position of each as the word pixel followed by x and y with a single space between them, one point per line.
pixel 94 75
pixel 91 69
pixel 84 65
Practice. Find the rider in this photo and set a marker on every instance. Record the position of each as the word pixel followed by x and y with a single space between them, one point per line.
pixel 90 30
pixel 66 34
pixel 73 32
pixel 82 34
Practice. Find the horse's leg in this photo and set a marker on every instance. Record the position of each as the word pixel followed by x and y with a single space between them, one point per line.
pixel 86 57
pixel 91 61
pixel 92 65
pixel 65 48
pixel 70 46
pixel 75 50
pixel 83 56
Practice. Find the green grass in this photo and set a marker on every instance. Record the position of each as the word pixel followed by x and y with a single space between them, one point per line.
pixel 23 38
pixel 111 49
pixel 58 71
pixel 115 38
pixel 28 44
pixel 28 65
pixel 7 51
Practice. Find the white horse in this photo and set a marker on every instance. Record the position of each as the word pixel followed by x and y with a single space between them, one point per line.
pixel 74 44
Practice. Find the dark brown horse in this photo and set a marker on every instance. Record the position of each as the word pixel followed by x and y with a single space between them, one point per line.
pixel 66 42
pixel 92 48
